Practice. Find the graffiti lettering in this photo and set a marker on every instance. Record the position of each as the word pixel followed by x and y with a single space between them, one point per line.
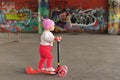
pixel 12 17
pixel 8 6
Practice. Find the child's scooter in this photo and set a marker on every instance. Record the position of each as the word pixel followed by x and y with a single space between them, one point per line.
pixel 60 70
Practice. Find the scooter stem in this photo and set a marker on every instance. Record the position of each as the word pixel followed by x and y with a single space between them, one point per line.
pixel 58 53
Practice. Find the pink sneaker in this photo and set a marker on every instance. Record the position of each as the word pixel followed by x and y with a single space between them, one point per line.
pixel 50 69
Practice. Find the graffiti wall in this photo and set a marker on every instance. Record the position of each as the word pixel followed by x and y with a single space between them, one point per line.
pixel 79 15
pixel 20 13
pixel 72 19
pixel 69 15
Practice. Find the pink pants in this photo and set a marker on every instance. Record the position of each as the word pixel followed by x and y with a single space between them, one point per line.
pixel 45 56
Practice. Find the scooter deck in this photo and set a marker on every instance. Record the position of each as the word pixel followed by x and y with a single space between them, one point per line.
pixel 30 70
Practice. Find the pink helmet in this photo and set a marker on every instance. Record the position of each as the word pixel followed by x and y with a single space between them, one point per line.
pixel 47 23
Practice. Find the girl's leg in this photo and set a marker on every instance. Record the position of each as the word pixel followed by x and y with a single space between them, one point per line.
pixel 41 63
pixel 49 66
pixel 47 54
pixel 42 58
pixel 49 60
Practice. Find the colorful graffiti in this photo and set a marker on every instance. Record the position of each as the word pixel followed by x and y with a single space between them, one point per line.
pixel 114 17
pixel 28 20
pixel 12 16
pixel 25 17
pixel 19 4
pixel 8 6
pixel 71 19
pixel 2 17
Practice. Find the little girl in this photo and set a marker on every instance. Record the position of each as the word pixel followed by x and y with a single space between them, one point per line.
pixel 45 49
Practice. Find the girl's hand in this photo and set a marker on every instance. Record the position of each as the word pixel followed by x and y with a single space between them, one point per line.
pixel 58 38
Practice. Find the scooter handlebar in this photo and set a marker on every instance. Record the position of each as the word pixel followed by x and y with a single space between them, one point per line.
pixel 58 38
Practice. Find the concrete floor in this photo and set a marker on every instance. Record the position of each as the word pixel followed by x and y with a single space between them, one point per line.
pixel 88 57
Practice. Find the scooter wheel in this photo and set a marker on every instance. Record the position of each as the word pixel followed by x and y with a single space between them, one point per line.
pixel 29 69
pixel 62 72
pixel 65 67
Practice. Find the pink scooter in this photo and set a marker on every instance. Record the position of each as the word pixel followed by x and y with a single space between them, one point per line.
pixel 60 70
